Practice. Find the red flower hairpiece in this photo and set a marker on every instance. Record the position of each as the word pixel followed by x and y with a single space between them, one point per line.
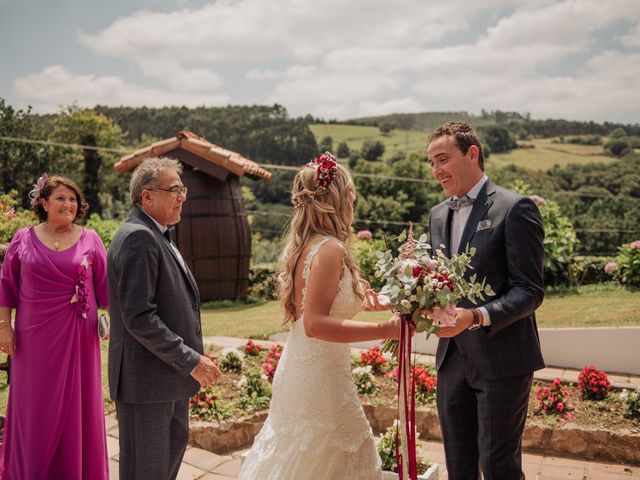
pixel 326 169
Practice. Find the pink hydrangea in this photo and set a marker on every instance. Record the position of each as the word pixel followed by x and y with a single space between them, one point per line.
pixel 610 267
pixel 444 317
pixel 364 235
pixel 635 245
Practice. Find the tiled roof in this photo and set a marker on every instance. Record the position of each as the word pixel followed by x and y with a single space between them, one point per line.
pixel 232 161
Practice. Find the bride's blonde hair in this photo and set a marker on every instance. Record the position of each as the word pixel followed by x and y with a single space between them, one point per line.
pixel 317 210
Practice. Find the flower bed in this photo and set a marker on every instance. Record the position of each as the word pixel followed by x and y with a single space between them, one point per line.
pixel 230 415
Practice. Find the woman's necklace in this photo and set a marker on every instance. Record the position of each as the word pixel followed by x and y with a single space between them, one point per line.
pixel 56 242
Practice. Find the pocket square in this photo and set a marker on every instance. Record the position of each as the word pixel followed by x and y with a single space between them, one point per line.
pixel 484 225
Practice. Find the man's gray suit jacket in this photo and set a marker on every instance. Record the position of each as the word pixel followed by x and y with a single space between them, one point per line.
pixel 156 338
pixel 507 232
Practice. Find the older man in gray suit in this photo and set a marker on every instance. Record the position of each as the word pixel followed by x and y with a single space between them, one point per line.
pixel 486 362
pixel 156 359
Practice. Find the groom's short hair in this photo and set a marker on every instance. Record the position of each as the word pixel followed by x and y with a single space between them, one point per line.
pixel 463 134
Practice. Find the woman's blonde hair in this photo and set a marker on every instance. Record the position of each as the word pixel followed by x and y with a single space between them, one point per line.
pixel 317 210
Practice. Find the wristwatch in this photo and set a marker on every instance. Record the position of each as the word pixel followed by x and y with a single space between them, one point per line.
pixel 477 319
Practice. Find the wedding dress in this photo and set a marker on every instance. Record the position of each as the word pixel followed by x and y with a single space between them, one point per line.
pixel 316 428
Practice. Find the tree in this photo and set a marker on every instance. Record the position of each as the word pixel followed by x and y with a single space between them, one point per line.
pixel 86 127
pixel 618 147
pixel 498 139
pixel 386 127
pixel 372 150
pixel 21 163
pixel 343 150
pixel 326 144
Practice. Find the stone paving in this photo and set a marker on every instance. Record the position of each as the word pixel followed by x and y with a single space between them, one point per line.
pixel 203 465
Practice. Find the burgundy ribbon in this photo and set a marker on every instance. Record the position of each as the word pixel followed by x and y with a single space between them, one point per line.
pixel 407 405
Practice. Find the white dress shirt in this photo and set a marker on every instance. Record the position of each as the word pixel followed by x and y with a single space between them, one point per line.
pixel 458 222
pixel 164 228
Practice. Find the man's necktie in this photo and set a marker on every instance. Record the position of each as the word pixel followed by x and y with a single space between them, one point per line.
pixel 455 203
pixel 167 234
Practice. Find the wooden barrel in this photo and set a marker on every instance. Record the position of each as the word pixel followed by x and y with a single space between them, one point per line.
pixel 213 235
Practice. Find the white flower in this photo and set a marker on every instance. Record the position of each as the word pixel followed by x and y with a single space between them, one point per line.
pixel 242 382
pixel 405 303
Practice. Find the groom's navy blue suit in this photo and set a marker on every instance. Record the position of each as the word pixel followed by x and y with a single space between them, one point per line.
pixel 484 375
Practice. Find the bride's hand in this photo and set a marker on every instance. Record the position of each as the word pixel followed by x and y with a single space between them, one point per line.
pixel 394 325
pixel 374 302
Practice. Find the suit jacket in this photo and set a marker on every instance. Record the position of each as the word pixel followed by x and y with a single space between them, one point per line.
pixel 156 339
pixel 507 231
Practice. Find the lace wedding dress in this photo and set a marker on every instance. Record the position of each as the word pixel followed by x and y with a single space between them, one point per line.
pixel 316 428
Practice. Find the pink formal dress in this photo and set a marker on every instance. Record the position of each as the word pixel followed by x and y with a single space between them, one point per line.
pixel 55 416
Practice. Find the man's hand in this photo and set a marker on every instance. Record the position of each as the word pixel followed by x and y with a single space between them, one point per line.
pixel 206 372
pixel 464 319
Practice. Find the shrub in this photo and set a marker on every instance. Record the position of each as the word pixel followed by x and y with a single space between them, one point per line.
pixel 553 399
pixel 230 360
pixel 271 360
pixel 425 381
pixel 255 392
pixel 618 147
pixel 386 447
pixel 373 358
pixel 628 262
pixel 372 150
pixel 252 349
pixel 105 229
pixel 366 255
pixel 363 378
pixel 593 383
pixel 343 150
pixel 632 402
pixel 11 220
pixel 262 282
pixel 588 270
pixel 206 405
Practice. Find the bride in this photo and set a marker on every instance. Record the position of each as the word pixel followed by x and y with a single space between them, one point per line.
pixel 316 428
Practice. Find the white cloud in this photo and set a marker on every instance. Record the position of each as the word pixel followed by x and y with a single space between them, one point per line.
pixel 632 38
pixel 55 86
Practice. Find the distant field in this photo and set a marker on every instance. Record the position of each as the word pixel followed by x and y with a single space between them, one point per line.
pixel 544 156
pixel 408 141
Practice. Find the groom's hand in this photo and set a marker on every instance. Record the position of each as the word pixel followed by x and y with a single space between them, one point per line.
pixel 464 319
pixel 206 372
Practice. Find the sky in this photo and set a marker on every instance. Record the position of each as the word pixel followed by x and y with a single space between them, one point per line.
pixel 335 59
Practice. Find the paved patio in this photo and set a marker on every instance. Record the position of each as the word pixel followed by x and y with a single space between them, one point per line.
pixel 203 465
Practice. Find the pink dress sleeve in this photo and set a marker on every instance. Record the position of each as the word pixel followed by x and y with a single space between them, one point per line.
pixel 100 270
pixel 10 275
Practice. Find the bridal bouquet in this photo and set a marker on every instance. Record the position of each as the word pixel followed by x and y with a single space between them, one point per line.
pixel 426 289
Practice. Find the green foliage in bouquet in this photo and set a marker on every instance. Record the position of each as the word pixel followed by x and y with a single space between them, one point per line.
pixel 415 282
pixel 386 447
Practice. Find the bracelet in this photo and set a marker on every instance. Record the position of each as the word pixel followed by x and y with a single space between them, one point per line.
pixel 476 319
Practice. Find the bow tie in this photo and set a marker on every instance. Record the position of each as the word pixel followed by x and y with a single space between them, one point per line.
pixel 455 203
pixel 167 234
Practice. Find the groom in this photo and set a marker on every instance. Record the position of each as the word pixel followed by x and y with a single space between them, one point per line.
pixel 486 361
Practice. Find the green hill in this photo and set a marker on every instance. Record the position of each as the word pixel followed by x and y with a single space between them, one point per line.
pixel 543 156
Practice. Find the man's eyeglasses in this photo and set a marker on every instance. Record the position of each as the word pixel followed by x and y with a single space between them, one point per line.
pixel 177 191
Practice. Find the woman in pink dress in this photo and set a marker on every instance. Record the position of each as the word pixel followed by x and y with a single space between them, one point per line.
pixel 54 275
